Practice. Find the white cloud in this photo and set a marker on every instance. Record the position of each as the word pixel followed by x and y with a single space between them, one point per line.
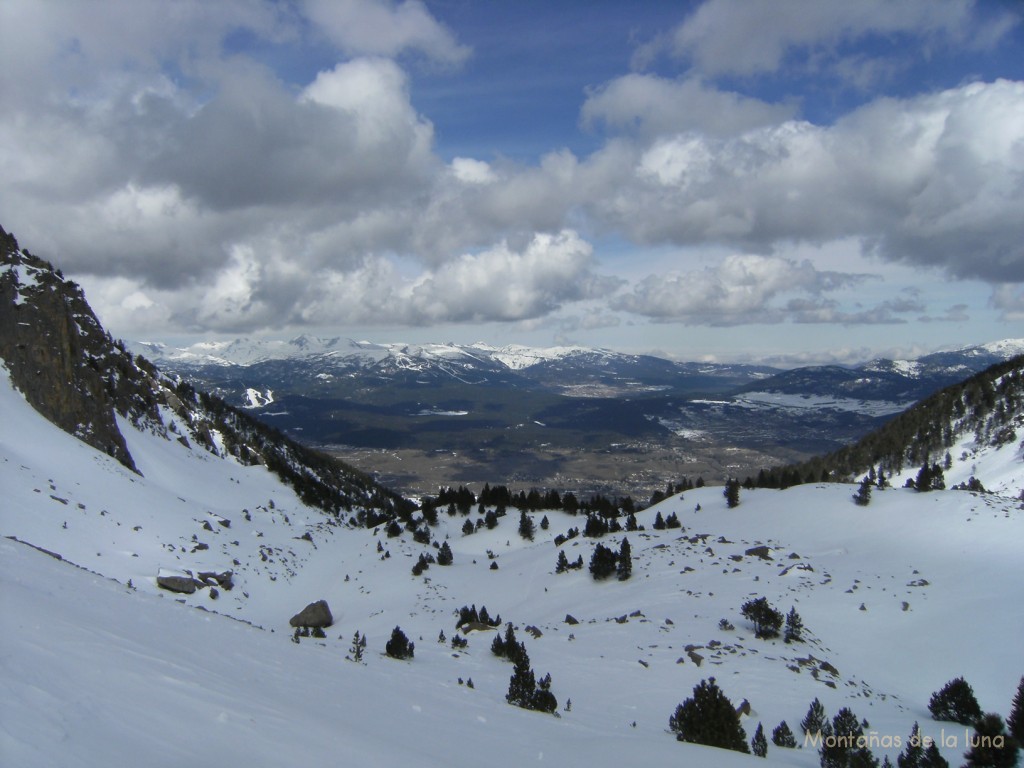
pixel 741 289
pixel 506 284
pixel 383 28
pixel 735 37
pixel 470 171
pixel 195 188
pixel 650 106
pixel 935 180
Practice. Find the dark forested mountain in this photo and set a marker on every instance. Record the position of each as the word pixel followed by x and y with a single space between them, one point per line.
pixel 983 413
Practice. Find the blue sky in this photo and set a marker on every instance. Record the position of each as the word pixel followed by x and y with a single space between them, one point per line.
pixel 796 181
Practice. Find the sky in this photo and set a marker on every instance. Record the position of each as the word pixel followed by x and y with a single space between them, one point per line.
pixel 793 182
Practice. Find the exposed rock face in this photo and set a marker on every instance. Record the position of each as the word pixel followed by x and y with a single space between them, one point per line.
pixel 58 355
pixel 80 379
pixel 316 614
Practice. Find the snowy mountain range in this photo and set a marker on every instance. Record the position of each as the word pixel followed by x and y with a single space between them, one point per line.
pixel 147 603
pixel 353 397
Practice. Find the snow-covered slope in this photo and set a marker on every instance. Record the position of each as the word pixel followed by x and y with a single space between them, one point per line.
pixel 898 598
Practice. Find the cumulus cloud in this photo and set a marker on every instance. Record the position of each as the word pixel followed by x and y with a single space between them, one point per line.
pixel 651 106
pixel 254 293
pixel 1009 300
pixel 741 289
pixel 505 284
pixel 734 37
pixel 382 28
pixel 194 187
pixel 936 180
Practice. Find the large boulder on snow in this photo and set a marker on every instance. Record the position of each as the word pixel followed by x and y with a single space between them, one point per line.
pixel 176 582
pixel 316 614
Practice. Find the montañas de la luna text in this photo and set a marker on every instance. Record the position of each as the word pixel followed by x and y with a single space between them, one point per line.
pixel 876 740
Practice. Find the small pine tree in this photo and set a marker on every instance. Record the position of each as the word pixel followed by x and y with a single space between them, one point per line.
pixel 526 526
pixel 468 528
pixel 399 647
pixel 767 621
pixel 782 736
pixel 659 522
pixel 955 702
pixel 991 746
pixel 709 718
pixel 863 495
pixel 562 563
pixel 838 752
pixel 913 752
pixel 815 720
pixel 732 493
pixel 932 758
pixel 624 567
pixel 356 650
pixel 794 627
pixel 543 699
pixel 444 555
pixel 759 744
pixel 521 685
pixel 602 562
pixel 1015 722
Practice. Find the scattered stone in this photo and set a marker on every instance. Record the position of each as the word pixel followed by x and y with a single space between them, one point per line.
pixel 762 551
pixel 570 619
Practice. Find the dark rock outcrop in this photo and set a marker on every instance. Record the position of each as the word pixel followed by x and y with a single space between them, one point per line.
pixel 316 614
pixel 56 350
pixel 176 583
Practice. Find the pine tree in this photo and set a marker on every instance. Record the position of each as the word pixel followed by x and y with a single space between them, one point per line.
pixel 815 720
pixel 659 522
pixel 836 753
pixel 782 736
pixel 525 526
pixel 498 647
pixel 624 567
pixel 399 647
pixel 767 621
pixel 562 563
pixel 955 702
pixel 444 555
pixel 794 627
pixel 759 744
pixel 732 493
pixel 863 495
pixel 602 562
pixel 991 746
pixel 521 685
pixel 543 699
pixel 709 718
pixel 1015 722
pixel 356 650
pixel 932 758
pixel 913 752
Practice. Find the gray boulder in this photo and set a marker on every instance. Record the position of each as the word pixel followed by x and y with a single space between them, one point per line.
pixel 316 614
pixel 184 584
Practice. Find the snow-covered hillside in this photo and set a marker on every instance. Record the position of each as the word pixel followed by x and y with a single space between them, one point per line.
pixel 898 598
